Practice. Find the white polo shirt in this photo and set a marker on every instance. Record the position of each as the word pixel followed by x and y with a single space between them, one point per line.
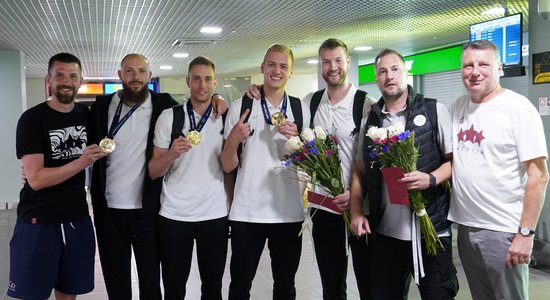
pixel 192 189
pixel 338 120
pixel 126 165
pixel 265 191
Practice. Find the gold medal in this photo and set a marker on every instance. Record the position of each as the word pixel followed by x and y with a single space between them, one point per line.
pixel 107 145
pixel 277 118
pixel 194 137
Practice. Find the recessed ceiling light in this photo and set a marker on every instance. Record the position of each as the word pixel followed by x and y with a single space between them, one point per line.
pixel 362 48
pixel 207 29
pixel 166 67
pixel 494 11
pixel 181 54
pixel 227 85
pixel 312 61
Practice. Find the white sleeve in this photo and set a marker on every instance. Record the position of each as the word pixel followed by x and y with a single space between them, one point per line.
pixel 529 132
pixel 307 99
pixel 163 129
pixel 360 137
pixel 306 115
pixel 444 125
pixel 232 117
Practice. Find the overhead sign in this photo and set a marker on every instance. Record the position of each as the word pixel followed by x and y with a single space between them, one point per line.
pixel 436 61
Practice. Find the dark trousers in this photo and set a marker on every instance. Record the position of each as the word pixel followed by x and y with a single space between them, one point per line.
pixel 392 267
pixel 118 232
pixel 247 244
pixel 329 238
pixel 176 248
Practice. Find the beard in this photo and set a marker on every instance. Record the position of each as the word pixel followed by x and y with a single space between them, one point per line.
pixel 132 96
pixel 392 96
pixel 63 98
pixel 341 81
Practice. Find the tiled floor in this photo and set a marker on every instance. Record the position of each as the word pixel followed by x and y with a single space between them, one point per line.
pixel 307 279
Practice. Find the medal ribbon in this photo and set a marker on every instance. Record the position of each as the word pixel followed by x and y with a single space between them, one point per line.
pixel 116 124
pixel 203 119
pixel 265 110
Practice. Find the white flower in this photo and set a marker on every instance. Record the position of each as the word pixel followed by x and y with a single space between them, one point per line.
pixel 396 128
pixel 308 134
pixel 376 133
pixel 320 132
pixel 293 144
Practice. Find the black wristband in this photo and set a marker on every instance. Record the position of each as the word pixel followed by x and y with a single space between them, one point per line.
pixel 213 95
pixel 432 180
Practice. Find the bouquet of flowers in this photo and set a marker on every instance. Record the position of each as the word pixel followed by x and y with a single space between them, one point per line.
pixel 315 153
pixel 394 147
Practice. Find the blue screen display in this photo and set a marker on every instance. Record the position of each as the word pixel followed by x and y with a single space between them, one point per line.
pixel 110 88
pixel 506 33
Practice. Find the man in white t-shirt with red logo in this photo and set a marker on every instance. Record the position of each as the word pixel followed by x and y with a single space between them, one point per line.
pixel 499 177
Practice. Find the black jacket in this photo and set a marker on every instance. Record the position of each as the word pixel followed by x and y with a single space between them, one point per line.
pixel 430 158
pixel 98 130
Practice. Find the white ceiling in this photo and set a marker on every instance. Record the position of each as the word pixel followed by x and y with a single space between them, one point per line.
pixel 101 32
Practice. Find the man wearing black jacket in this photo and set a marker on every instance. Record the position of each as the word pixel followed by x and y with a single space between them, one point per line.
pixel 125 200
pixel 394 255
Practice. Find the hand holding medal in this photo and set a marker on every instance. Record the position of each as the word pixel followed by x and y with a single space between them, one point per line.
pixel 288 129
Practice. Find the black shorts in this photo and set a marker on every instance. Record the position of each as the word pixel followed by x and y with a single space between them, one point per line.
pixel 51 256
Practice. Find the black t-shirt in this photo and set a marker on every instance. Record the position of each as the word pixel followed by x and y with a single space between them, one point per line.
pixel 61 138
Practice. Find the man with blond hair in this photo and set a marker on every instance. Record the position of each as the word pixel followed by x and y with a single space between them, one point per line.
pixel 266 203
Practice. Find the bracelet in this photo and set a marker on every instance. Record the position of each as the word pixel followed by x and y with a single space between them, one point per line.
pixel 432 180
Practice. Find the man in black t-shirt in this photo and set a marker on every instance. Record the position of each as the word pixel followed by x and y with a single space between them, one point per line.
pixel 53 245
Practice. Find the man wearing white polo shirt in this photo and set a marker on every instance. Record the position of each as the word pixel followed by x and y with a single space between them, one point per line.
pixel 336 109
pixel 267 204
pixel 193 203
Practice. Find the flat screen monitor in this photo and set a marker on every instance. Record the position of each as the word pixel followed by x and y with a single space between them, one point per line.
pixel 506 33
pixel 113 87
pixel 91 89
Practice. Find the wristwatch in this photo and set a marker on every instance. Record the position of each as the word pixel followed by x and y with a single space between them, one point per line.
pixel 432 180
pixel 525 231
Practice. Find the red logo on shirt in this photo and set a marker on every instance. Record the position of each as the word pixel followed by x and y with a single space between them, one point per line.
pixel 471 135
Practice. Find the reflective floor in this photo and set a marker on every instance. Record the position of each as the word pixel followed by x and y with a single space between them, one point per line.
pixel 307 279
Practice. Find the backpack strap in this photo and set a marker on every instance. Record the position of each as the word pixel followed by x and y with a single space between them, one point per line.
pixel 165 97
pixel 431 111
pixel 358 103
pixel 177 122
pixel 224 116
pixel 245 104
pixel 296 106
pixel 314 104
